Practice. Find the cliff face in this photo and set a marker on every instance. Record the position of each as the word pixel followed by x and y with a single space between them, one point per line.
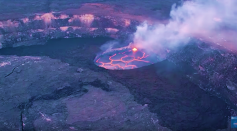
pixel 30 22
pixel 26 26
pixel 74 20
pixel 39 28
pixel 212 69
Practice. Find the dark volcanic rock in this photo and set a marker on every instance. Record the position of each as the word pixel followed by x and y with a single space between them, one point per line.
pixel 38 93
pixel 49 95
pixel 178 103
pixel 47 26
pixel 32 22
pixel 164 87
pixel 213 70
pixel 78 52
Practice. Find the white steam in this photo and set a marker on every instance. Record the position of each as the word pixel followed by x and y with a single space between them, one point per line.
pixel 109 46
pixel 214 21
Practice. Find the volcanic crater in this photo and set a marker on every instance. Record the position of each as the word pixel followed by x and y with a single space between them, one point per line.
pixel 49 79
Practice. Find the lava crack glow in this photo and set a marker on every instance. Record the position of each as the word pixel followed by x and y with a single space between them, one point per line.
pixel 124 58
pixel 134 49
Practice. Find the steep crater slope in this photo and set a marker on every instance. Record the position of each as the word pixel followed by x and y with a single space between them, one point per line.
pixel 163 87
pixel 113 19
pixel 36 24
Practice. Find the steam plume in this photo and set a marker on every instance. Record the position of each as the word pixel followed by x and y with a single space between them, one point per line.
pixel 214 21
pixel 109 45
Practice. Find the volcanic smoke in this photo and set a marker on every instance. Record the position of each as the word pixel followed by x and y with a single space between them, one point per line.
pixel 213 21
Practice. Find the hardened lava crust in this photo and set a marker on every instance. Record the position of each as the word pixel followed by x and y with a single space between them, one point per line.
pixel 51 80
pixel 125 58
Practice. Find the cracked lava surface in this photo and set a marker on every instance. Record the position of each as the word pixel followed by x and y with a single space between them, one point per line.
pixel 124 58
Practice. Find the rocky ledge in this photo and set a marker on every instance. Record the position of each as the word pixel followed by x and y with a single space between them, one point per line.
pixel 91 19
pixel 39 28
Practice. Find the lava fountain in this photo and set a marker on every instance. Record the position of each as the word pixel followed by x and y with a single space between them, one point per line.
pixel 124 58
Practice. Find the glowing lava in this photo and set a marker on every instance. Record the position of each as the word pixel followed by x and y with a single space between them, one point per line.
pixel 124 58
pixel 134 49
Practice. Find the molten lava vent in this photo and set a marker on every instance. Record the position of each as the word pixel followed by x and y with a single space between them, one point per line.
pixel 125 58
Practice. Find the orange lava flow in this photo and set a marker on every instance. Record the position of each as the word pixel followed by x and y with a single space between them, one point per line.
pixel 121 63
